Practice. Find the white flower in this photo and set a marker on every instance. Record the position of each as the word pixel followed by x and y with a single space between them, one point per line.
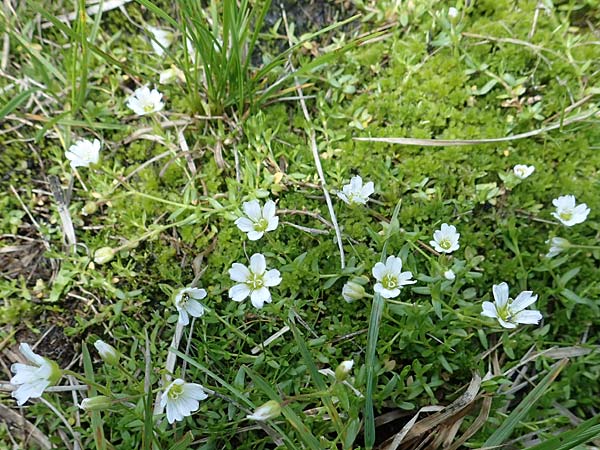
pixel 557 246
pixel 253 281
pixel 343 370
pixel 171 75
pixel 269 410
pixel 32 380
pixel 186 302
pixel 83 153
pixel 355 192
pixel 445 240
pixel 181 399
pixel 567 212
pixel 452 12
pixel 449 275
pixel 107 352
pixel 510 312
pixel 145 101
pixel 522 171
pixel 390 277
pixel 161 39
pixel 258 221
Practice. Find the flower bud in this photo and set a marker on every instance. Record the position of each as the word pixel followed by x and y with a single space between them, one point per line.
pixel 269 410
pixel 97 403
pixel 343 370
pixel 452 13
pixel 557 246
pixel 171 75
pixel 353 291
pixel 104 255
pixel 107 352
pixel 89 208
pixel 449 275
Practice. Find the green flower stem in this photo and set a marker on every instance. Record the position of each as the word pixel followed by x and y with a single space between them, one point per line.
pixel 157 230
pixel 103 390
pixel 586 247
pixel 319 394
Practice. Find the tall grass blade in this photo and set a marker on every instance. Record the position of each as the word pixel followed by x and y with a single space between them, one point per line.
pixel 520 412
pixel 15 102
pixel 581 434
pixel 372 336
pixel 96 419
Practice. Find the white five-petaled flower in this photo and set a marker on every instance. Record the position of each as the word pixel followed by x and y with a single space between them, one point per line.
pixel 145 101
pixel 162 39
pixel 258 220
pixel 83 153
pixel 355 193
pixel 186 302
pixel 567 212
pixel 390 277
pixel 522 171
pixel 445 240
pixel 254 281
pixel 181 399
pixel 511 312
pixel 32 380
pixel 557 246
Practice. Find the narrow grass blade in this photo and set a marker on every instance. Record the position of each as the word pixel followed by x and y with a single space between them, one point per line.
pixel 15 102
pixel 505 430
pixel 309 439
pixel 96 419
pixel 581 434
pixel 314 373
pixel 372 336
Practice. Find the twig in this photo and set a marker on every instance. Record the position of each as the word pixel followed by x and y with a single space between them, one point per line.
pixel 315 152
pixel 305 229
pixel 460 142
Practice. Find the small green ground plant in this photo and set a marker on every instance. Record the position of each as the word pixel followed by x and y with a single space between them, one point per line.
pixel 224 227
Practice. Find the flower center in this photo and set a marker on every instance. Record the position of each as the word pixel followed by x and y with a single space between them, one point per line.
pixel 390 282
pixel 445 244
pixel 184 299
pixel 505 313
pixel 521 172
pixel 148 107
pixel 175 392
pixel 566 215
pixel 255 281
pixel 261 225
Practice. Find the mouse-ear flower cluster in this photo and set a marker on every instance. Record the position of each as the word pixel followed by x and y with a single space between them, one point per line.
pixel 511 312
pixel 181 399
pixel 390 278
pixel 257 221
pixel 83 153
pixel 253 281
pixel 32 379
pixel 145 101
pixel 355 193
pixel 187 304
pixel 567 212
pixel 445 240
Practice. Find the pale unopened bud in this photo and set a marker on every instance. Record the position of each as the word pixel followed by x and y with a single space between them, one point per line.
pixel 104 255
pixel 557 246
pixel 171 75
pixel 449 275
pixel 98 403
pixel 268 411
pixel 343 370
pixel 89 208
pixel 353 291
pixel 452 13
pixel 107 352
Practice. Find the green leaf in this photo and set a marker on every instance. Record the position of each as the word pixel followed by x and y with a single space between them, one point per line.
pixel 581 434
pixel 15 102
